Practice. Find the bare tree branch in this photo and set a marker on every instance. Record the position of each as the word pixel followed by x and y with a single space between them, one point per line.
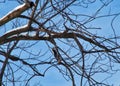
pixel 64 35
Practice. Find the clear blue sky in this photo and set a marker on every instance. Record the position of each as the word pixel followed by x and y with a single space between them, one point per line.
pixel 52 77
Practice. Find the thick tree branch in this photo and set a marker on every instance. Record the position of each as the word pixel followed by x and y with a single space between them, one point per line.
pixel 57 35
pixel 15 13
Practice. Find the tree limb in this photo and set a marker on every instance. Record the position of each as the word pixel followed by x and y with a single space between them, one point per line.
pixel 15 13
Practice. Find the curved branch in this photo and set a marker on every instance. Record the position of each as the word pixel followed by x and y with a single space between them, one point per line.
pixel 15 13
pixel 57 35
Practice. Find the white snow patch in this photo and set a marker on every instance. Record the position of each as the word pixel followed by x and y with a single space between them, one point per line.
pixel 18 7
pixel 16 29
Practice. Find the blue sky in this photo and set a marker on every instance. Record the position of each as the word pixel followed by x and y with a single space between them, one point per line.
pixel 53 77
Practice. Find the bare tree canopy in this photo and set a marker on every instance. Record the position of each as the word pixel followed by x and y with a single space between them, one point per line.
pixel 76 40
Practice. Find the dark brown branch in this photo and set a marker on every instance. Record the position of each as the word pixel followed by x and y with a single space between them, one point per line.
pixel 57 35
pixel 56 54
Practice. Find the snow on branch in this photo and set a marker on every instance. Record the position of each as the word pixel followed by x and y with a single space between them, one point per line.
pixel 13 32
pixel 15 12
pixel 16 31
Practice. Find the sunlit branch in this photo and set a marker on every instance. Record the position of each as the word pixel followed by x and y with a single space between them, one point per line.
pixel 15 13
